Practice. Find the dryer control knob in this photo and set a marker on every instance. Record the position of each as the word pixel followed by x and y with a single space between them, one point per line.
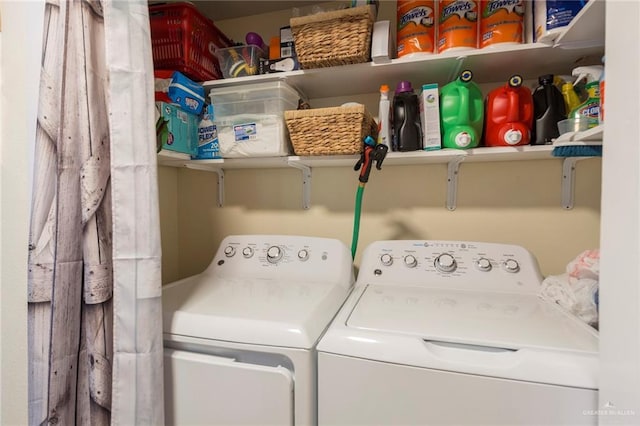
pixel 274 254
pixel 484 264
pixel 303 255
pixel 411 261
pixel 386 259
pixel 229 251
pixel 247 252
pixel 445 263
pixel 511 265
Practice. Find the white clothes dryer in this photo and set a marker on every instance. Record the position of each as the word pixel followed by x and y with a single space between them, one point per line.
pixel 454 333
pixel 240 337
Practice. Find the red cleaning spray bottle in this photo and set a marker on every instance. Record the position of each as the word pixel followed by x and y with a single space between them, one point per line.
pixel 509 114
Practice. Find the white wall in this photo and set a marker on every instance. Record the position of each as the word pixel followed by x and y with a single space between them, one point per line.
pixel 620 266
pixel 20 46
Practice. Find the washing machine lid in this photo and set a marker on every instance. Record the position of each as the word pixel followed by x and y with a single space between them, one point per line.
pixel 501 335
pixel 488 319
pixel 255 311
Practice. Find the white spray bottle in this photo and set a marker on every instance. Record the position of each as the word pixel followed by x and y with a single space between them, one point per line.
pixel 590 109
pixel 384 119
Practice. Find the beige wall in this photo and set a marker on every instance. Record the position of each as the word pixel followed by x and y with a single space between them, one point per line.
pixel 509 202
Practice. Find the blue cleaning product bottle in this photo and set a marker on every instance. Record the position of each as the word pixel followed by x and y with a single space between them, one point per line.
pixel 407 131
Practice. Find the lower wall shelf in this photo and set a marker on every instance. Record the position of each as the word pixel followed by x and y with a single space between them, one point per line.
pixel 452 157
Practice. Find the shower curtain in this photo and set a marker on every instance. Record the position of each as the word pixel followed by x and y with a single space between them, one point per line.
pixel 94 288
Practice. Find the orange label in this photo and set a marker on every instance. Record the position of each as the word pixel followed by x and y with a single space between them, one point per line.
pixel 501 21
pixel 457 24
pixel 416 27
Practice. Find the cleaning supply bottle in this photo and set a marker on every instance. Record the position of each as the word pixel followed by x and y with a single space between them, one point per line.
pixel 461 112
pixel 509 114
pixel 548 110
pixel 407 131
pixel 384 111
pixel 564 83
pixel 571 99
pixel 590 109
pixel 601 112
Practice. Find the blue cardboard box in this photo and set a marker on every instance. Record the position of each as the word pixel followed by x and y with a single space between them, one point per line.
pixel 176 130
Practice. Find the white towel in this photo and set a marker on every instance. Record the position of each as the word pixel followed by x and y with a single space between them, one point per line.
pixel 575 290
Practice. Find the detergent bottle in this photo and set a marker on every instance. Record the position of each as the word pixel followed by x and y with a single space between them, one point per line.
pixel 569 94
pixel 601 116
pixel 384 122
pixel 548 110
pixel 590 108
pixel 407 131
pixel 461 112
pixel 509 114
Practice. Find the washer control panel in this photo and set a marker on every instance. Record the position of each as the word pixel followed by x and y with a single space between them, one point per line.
pixel 455 264
pixel 283 257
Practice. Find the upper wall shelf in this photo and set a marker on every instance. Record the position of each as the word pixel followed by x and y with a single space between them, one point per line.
pixel 582 43
pixel 587 29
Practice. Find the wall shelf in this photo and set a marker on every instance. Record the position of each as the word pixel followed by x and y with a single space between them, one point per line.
pixel 451 157
pixel 581 43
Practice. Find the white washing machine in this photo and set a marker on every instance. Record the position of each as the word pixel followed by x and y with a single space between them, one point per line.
pixel 240 337
pixel 453 333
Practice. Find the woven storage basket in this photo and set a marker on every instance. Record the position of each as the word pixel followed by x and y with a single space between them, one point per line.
pixel 333 38
pixel 329 131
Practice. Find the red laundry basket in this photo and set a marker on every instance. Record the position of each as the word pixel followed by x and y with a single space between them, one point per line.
pixel 184 40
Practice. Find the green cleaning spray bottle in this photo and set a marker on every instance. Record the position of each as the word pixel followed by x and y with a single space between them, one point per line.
pixel 590 108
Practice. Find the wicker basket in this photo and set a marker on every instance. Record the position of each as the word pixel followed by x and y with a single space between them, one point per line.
pixel 329 131
pixel 334 38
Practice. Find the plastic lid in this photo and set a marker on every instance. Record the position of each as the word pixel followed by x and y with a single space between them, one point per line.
pixel 404 86
pixel 545 79
pixel 384 88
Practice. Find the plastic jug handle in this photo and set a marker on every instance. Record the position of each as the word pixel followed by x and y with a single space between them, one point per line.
pixel 513 111
pixel 463 112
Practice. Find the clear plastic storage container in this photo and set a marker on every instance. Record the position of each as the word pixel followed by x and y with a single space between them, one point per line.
pixel 250 119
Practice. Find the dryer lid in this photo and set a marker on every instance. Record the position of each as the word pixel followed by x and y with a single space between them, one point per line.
pixel 486 319
pixel 256 311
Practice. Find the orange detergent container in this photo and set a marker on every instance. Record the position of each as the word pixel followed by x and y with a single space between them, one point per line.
pixel 416 27
pixel 501 22
pixel 457 25
pixel 509 114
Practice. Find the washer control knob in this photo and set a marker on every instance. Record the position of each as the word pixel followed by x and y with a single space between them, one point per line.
pixel 483 264
pixel 511 265
pixel 445 263
pixel 247 252
pixel 411 261
pixel 303 255
pixel 274 254
pixel 229 251
pixel 386 259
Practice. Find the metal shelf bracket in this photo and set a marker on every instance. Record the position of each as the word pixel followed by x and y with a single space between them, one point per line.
pixel 219 171
pixel 453 167
pixel 306 182
pixel 568 180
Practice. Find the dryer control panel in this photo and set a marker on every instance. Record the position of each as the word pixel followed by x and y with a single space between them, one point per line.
pixel 283 257
pixel 450 264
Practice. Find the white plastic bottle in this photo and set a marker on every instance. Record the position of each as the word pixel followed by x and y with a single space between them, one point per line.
pixel 384 118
